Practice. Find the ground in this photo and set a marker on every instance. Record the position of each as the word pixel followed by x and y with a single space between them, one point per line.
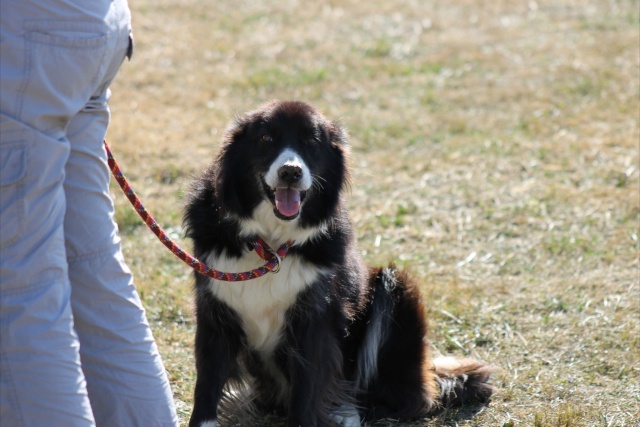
pixel 495 156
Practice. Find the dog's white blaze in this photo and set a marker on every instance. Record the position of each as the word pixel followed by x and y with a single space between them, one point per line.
pixel 288 157
pixel 262 302
pixel 209 424
pixel 275 231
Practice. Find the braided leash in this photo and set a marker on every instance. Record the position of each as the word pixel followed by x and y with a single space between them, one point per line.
pixel 272 258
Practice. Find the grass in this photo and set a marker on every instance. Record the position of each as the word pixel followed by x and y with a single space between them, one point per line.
pixel 495 155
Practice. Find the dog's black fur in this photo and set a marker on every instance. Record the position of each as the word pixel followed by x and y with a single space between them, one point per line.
pixel 326 341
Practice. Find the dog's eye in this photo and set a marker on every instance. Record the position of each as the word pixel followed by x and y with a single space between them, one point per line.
pixel 315 137
pixel 266 137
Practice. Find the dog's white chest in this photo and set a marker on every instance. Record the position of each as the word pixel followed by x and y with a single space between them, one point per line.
pixel 262 302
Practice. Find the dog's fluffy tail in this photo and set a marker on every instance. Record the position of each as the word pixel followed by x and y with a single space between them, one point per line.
pixel 462 381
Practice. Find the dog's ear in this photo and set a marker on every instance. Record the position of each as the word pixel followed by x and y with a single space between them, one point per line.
pixel 337 134
pixel 339 140
pixel 236 130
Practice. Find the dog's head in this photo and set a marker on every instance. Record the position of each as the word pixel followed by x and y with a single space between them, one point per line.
pixel 285 156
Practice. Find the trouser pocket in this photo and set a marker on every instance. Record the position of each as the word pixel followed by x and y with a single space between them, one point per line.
pixel 64 67
pixel 13 167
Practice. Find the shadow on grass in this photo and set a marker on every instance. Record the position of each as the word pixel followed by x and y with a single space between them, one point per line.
pixel 444 418
pixel 452 417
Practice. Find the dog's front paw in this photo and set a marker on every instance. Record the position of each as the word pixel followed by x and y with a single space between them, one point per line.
pixel 346 416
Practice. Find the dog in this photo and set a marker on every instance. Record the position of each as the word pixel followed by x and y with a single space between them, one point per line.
pixel 325 341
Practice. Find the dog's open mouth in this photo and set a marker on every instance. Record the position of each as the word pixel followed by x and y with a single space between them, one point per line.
pixel 286 201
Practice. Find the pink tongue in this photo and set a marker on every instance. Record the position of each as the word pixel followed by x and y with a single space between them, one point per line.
pixel 287 201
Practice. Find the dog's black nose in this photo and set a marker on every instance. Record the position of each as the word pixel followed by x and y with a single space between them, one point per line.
pixel 290 174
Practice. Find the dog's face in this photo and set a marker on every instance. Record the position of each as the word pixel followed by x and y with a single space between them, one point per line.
pixel 286 155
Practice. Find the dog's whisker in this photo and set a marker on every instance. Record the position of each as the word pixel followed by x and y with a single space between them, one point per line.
pixel 318 177
pixel 316 182
pixel 318 186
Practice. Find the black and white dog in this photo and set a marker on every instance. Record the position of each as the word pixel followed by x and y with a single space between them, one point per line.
pixel 326 340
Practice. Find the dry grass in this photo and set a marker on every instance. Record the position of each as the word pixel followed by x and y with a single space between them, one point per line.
pixel 495 154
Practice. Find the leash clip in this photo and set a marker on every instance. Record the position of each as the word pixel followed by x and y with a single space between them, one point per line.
pixel 278 261
pixel 274 254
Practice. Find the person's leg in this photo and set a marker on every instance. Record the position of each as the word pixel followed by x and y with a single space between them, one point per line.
pixel 46 75
pixel 54 57
pixel 126 379
pixel 41 381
